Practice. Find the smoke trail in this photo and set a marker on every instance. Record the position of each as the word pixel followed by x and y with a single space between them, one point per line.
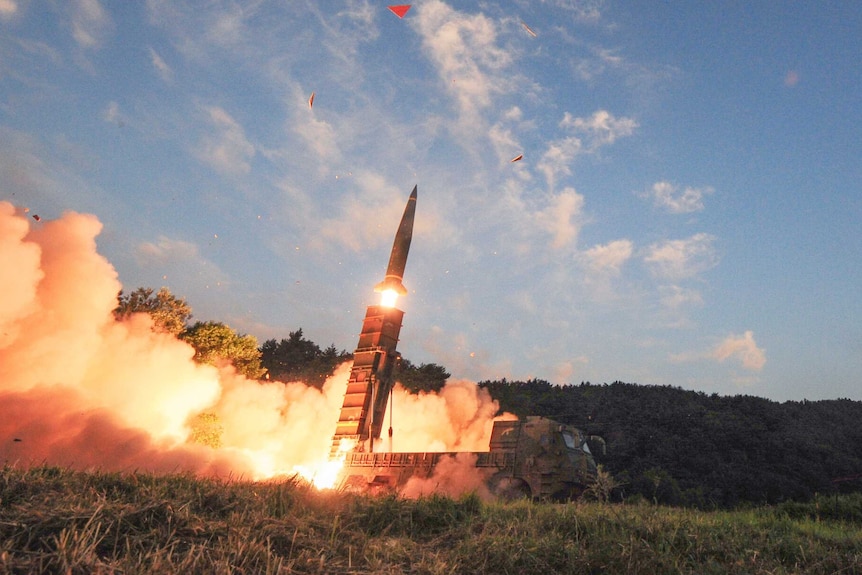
pixel 454 476
pixel 80 389
pixel 459 418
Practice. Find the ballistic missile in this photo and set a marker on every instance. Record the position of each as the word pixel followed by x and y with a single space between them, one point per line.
pixel 398 258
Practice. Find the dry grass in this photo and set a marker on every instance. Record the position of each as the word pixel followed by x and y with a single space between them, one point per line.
pixel 59 521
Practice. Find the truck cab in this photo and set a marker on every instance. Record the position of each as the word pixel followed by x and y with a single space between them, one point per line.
pixel 539 458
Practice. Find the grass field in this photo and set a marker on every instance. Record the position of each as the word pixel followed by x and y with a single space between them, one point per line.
pixel 59 521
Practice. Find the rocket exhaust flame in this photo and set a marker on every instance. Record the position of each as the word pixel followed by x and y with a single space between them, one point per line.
pixel 80 389
pixel 388 298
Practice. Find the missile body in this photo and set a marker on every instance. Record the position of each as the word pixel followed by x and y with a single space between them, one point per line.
pixel 400 248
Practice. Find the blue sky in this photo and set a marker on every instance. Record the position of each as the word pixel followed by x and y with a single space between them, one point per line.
pixel 686 211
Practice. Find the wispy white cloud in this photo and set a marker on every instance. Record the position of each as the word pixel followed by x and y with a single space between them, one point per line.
pixel 112 114
pixel 562 218
pixel 563 372
pixel 226 148
pixel 676 304
pixel 320 138
pixel 165 250
pixel 180 264
pixel 601 128
pixel 676 201
pixel 90 23
pixel 589 134
pixel 608 259
pixel 583 10
pixel 557 157
pixel 164 71
pixel 742 348
pixel 363 218
pixel 503 136
pixel 675 297
pixel 465 50
pixel 681 259
pixel 8 9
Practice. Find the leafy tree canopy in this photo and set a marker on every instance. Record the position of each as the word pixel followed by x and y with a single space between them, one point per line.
pixel 426 377
pixel 214 341
pixel 170 314
pixel 298 359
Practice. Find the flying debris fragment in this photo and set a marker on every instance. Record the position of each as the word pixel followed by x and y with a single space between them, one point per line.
pixel 400 9
pixel 517 158
pixel 528 29
pixel 311 101
pixel 37 218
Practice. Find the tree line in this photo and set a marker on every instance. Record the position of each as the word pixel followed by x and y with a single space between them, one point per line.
pixel 293 358
pixel 663 444
pixel 681 447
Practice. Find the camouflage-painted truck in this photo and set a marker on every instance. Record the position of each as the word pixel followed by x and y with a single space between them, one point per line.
pixel 534 458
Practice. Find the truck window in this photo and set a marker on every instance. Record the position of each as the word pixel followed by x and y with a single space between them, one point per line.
pixel 569 439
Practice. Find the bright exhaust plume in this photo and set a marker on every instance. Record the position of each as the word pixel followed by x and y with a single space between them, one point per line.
pixel 80 389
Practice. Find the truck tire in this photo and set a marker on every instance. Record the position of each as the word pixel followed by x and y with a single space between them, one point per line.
pixel 508 488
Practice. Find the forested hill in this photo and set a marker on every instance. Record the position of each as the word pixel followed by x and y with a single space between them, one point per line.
pixel 684 447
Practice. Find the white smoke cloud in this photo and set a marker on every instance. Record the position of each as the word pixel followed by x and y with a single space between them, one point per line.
pixel 454 476
pixel 83 390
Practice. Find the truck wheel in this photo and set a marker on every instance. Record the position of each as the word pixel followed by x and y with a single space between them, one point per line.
pixel 510 488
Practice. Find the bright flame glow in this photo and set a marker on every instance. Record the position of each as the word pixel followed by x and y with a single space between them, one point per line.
pixel 388 298
pixel 324 474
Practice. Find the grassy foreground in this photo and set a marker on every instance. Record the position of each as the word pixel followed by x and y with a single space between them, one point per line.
pixel 59 521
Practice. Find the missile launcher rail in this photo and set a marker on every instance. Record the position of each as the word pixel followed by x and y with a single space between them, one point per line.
pixel 536 457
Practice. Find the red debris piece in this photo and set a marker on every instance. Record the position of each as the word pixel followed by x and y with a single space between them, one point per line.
pixel 400 9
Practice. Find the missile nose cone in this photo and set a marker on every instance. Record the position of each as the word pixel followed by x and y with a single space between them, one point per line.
pixel 400 249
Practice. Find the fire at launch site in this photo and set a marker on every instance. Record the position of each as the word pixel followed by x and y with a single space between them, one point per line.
pixel 84 390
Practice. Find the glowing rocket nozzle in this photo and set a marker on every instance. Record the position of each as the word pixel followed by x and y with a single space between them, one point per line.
pixel 400 248
pixel 391 283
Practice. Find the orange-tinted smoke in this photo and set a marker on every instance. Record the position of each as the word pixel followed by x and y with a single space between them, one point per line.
pixel 82 390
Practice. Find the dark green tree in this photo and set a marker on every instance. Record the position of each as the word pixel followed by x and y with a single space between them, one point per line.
pixel 214 342
pixel 298 359
pixel 170 313
pixel 426 377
